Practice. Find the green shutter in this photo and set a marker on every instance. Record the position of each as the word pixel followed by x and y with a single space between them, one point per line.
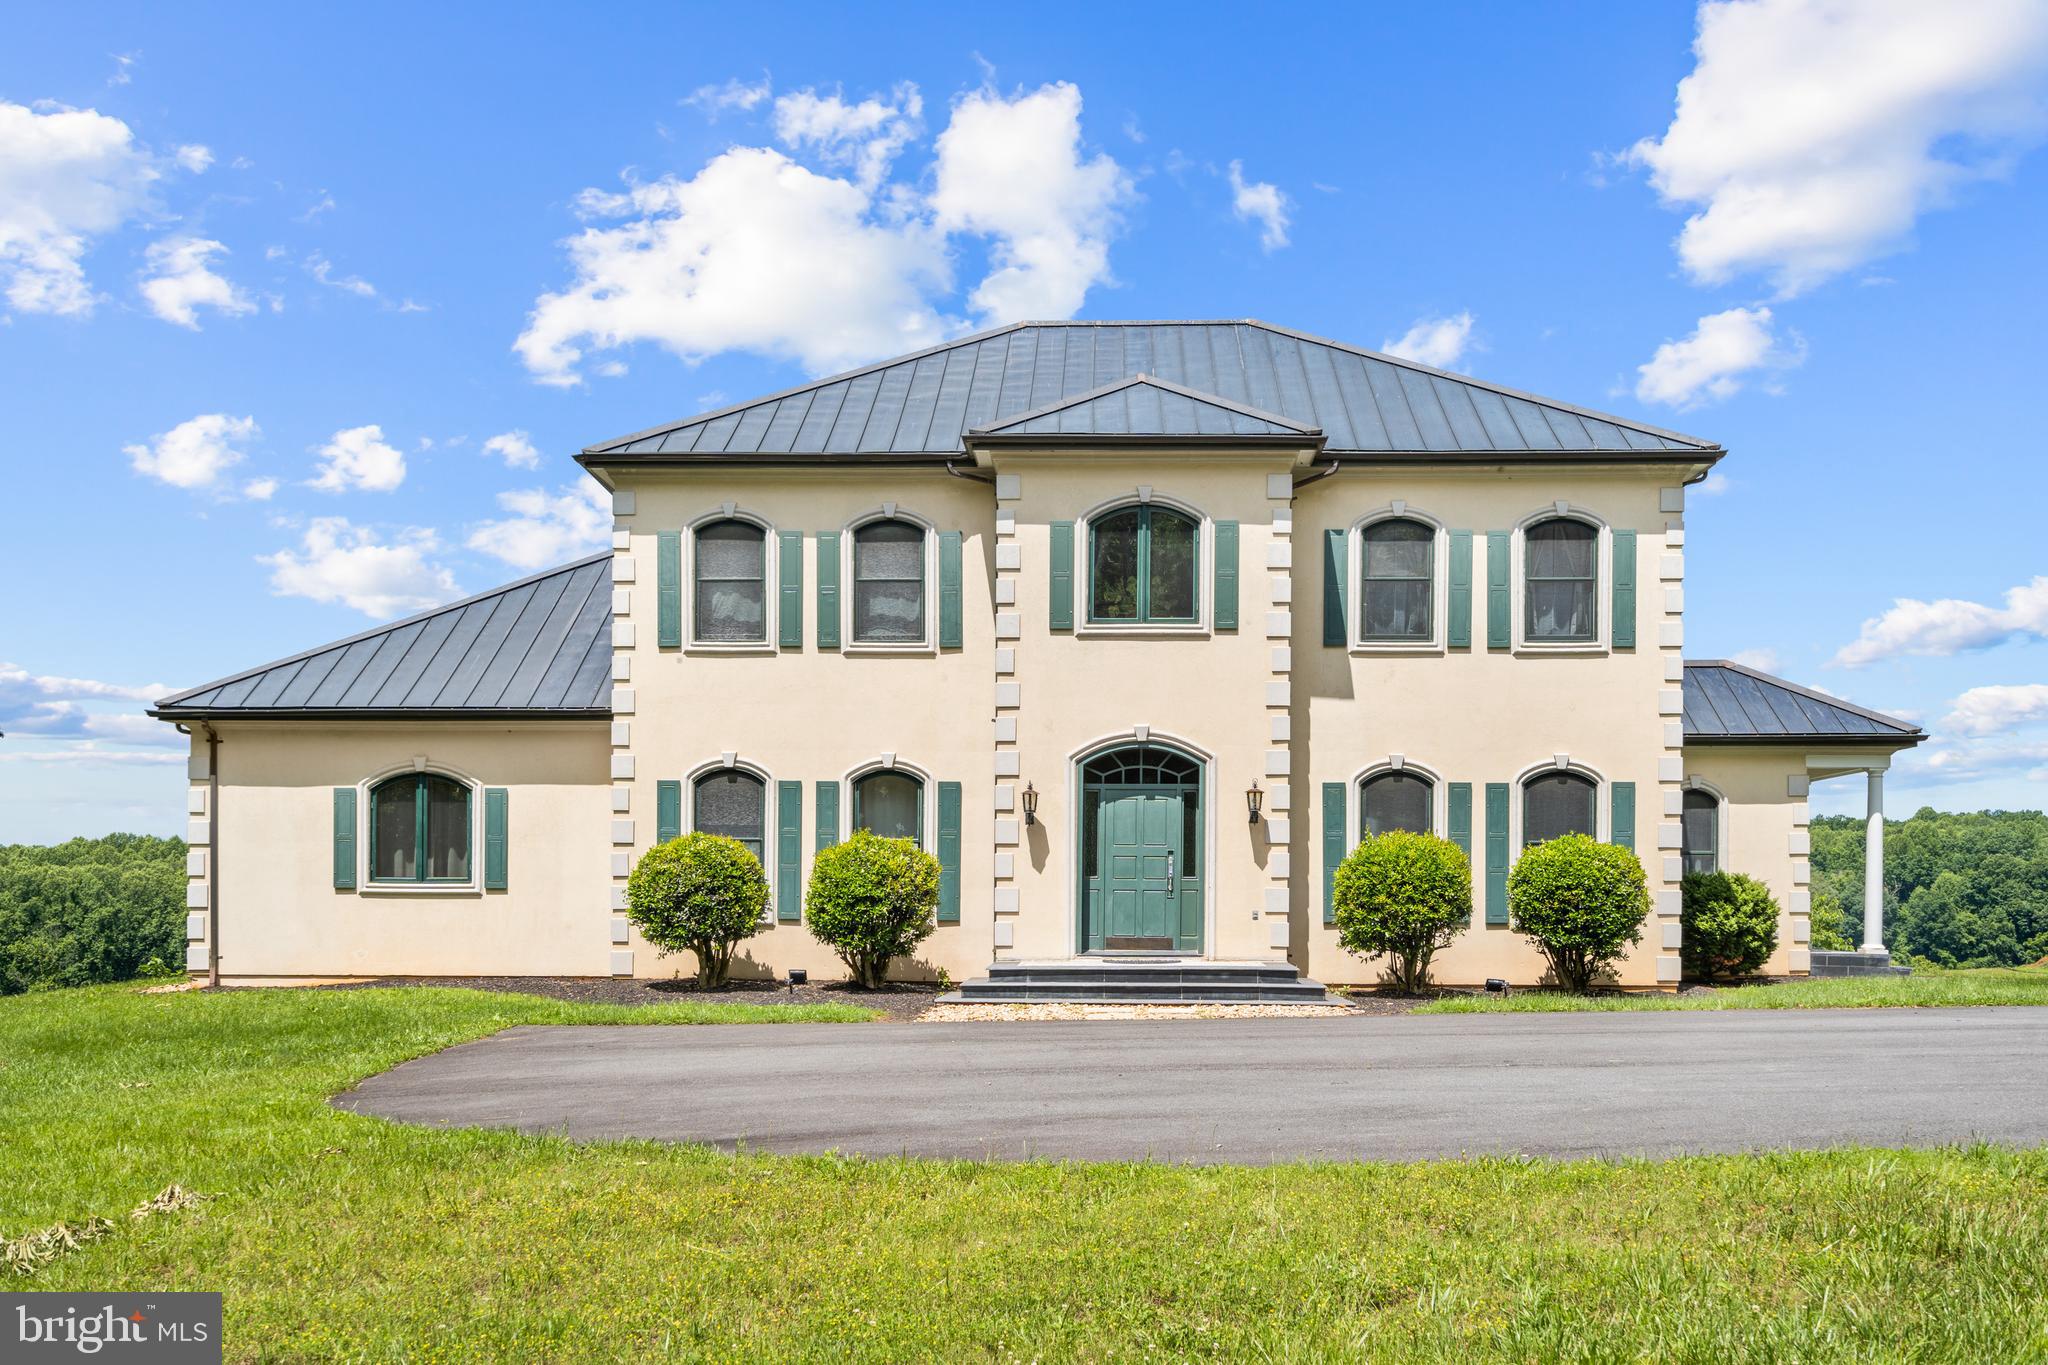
pixel 668 558
pixel 668 811
pixel 1624 589
pixel 1496 853
pixel 828 590
pixel 789 851
pixel 344 838
pixel 1499 631
pixel 790 626
pixel 1460 817
pixel 1060 609
pixel 1334 614
pixel 825 812
pixel 494 838
pixel 949 853
pixel 950 631
pixel 1333 840
pixel 1622 821
pixel 1226 575
pixel 1460 636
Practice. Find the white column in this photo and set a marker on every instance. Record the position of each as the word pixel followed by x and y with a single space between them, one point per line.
pixel 1873 863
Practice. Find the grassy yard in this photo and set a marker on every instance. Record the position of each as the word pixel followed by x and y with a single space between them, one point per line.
pixel 1988 986
pixel 340 1237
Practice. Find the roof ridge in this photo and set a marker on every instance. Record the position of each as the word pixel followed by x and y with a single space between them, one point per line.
pixel 1215 400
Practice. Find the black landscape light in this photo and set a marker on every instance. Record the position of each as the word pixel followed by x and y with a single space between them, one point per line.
pixel 1253 799
pixel 1030 804
pixel 798 977
pixel 1496 986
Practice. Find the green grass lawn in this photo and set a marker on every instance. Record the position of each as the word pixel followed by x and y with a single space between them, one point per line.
pixel 1986 986
pixel 336 1236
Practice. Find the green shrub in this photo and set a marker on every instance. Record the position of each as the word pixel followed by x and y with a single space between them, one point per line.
pixel 1582 901
pixel 702 893
pixel 871 901
pixel 1729 925
pixel 1406 896
pixel 91 910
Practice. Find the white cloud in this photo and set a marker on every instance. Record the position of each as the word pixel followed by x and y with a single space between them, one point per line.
pixel 60 707
pixel 66 176
pixel 867 136
pixel 1724 350
pixel 123 64
pixel 1949 626
pixel 322 269
pixel 259 490
pixel 547 528
pixel 1260 202
pixel 1990 710
pixel 1011 170
pixel 1436 342
pixel 360 459
pixel 734 94
pixel 516 448
pixel 1812 133
pixel 194 157
pixel 194 453
pixel 73 755
pixel 1762 660
pixel 1713 486
pixel 181 281
pixel 340 562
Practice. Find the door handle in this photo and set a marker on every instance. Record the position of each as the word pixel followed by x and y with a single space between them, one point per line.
pixel 1172 881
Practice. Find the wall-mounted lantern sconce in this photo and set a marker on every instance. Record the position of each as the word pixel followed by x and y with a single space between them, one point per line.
pixel 1030 804
pixel 1253 798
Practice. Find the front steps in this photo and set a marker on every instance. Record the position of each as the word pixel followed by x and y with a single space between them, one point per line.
pixel 1161 980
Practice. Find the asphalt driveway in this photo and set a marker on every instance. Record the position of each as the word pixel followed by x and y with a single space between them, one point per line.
pixel 1260 1090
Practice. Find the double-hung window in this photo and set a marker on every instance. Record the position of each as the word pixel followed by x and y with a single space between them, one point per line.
pixel 890 804
pixel 889 583
pixel 735 804
pixel 1396 800
pixel 731 571
pixel 1397 582
pixel 1699 832
pixel 1557 803
pixel 1561 582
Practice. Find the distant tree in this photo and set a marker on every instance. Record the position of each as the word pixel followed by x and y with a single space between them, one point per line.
pixel 1961 888
pixel 91 910
pixel 1825 924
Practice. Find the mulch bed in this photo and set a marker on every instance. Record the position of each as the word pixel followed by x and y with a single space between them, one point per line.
pixel 897 1001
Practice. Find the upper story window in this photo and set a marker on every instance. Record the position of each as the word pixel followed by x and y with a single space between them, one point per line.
pixel 731 569
pixel 1560 582
pixel 889 583
pixel 419 829
pixel 890 804
pixel 1397 586
pixel 1143 566
pixel 1700 832
pixel 1396 800
pixel 735 804
pixel 1557 803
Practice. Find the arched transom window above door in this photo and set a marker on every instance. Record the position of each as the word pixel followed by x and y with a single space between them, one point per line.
pixel 1144 567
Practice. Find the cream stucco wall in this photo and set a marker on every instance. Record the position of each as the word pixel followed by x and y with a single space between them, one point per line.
pixel 1763 833
pixel 280 914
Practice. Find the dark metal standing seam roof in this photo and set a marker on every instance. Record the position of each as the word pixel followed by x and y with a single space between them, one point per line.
pixel 540 646
pixel 1365 403
pixel 1726 703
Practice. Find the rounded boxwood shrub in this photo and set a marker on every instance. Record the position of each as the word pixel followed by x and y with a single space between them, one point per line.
pixel 871 901
pixel 1582 901
pixel 703 893
pixel 1729 925
pixel 1406 896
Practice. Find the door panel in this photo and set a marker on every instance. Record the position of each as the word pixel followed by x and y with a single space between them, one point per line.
pixel 1140 851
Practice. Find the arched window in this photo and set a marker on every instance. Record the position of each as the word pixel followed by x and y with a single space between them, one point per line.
pixel 1397 589
pixel 1395 800
pixel 1560 581
pixel 732 582
pixel 1700 831
pixel 1557 803
pixel 419 829
pixel 733 803
pixel 890 804
pixel 1142 566
pixel 888 583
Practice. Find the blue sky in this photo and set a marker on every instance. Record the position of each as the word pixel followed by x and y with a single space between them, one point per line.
pixel 303 314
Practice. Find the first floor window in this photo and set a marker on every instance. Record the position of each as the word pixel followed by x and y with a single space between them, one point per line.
pixel 1555 804
pixel 1700 832
pixel 888 583
pixel 732 582
pixel 1142 566
pixel 735 804
pixel 1560 581
pixel 890 804
pixel 1398 800
pixel 419 829
pixel 1397 590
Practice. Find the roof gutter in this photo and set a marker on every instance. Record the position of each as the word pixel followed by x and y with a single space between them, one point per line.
pixel 212 852
pixel 977 475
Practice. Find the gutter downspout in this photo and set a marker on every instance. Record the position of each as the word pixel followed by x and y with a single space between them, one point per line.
pixel 212 853
pixel 979 476
pixel 1317 477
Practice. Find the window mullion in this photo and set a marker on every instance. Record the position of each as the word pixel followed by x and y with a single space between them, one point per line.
pixel 1144 596
pixel 419 829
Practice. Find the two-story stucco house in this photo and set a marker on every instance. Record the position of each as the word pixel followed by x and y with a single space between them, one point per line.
pixel 1138 627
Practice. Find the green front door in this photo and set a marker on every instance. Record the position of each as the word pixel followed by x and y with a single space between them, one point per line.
pixel 1142 892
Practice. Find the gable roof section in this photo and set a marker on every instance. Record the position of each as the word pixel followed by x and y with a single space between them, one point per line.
pixel 1726 703
pixel 1145 405
pixel 1365 403
pixel 540 646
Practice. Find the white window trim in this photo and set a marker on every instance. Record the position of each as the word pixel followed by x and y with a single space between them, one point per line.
pixel 1205 559
pixel 1439 582
pixel 928 816
pixel 1695 784
pixel 849 642
pixel 365 816
pixel 771 585
pixel 1603 590
pixel 1439 794
pixel 1603 813
pixel 687 817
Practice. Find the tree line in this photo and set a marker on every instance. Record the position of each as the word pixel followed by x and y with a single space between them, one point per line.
pixel 1961 889
pixel 91 910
